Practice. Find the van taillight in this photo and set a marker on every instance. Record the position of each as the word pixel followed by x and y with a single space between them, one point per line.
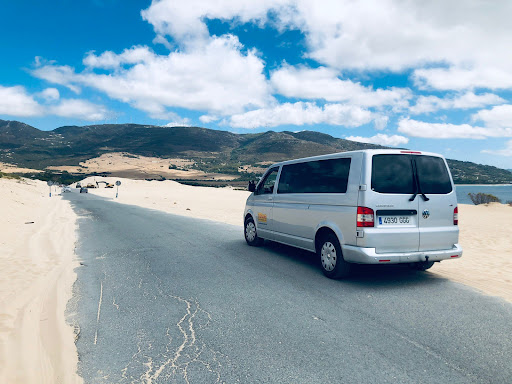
pixel 456 216
pixel 364 217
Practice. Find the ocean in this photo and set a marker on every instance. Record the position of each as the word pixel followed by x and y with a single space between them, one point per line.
pixel 503 192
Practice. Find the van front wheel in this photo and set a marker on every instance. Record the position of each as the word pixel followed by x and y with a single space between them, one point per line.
pixel 331 259
pixel 251 236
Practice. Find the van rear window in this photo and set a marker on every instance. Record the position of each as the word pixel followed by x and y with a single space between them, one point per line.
pixel 395 174
pixel 323 176
pixel 433 175
pixel 392 174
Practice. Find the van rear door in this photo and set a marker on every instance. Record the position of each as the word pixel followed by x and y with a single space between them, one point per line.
pixel 395 215
pixel 436 209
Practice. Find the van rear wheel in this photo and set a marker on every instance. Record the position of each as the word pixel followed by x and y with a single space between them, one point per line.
pixel 250 233
pixel 422 265
pixel 331 259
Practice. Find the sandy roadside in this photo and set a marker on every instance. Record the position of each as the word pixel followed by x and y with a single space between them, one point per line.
pixel 37 239
pixel 485 231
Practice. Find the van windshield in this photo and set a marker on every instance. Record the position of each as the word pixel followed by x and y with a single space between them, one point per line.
pixel 396 174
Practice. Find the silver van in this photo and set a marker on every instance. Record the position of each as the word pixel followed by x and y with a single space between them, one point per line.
pixel 364 207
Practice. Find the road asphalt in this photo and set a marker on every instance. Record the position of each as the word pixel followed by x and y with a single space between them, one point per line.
pixel 162 298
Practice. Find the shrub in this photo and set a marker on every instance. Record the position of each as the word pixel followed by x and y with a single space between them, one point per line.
pixel 9 176
pixel 483 198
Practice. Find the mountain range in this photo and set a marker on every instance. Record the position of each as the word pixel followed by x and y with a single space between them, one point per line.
pixel 213 150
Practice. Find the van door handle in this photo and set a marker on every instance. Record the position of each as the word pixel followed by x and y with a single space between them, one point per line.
pixel 269 198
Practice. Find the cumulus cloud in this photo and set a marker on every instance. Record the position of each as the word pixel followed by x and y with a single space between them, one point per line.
pixel 459 78
pixel 324 83
pixel 50 94
pixel 56 74
pixel 79 109
pixel 15 101
pixel 185 20
pixel 208 118
pixel 177 121
pixel 417 128
pixel 217 77
pixel 468 100
pixel 507 151
pixel 381 139
pixel 498 117
pixel 462 43
pixel 110 60
pixel 302 113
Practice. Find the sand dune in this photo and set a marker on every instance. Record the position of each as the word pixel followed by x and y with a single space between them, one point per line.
pixel 37 236
pixel 141 167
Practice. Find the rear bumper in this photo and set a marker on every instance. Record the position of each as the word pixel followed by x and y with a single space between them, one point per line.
pixel 361 255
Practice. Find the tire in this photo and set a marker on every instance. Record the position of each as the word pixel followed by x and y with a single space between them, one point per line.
pixel 422 265
pixel 331 258
pixel 250 233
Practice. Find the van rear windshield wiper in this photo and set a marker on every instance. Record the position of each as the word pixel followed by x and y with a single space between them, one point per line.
pixel 418 189
pixel 425 198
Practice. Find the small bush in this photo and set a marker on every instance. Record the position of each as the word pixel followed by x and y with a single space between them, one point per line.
pixel 483 198
pixel 509 202
pixel 9 176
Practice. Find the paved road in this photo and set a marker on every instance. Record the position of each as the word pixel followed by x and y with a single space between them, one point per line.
pixel 168 299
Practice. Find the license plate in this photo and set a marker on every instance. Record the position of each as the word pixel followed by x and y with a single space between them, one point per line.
pixel 394 220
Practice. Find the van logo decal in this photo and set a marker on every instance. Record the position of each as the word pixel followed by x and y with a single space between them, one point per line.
pixel 262 218
pixel 425 214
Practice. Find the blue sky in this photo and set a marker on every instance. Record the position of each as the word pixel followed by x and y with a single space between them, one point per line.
pixel 433 76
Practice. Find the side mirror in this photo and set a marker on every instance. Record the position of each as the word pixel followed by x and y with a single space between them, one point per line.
pixel 252 186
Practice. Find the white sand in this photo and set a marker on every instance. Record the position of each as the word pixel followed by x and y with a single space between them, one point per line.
pixel 219 204
pixel 11 168
pixel 486 231
pixel 125 163
pixel 486 238
pixel 36 262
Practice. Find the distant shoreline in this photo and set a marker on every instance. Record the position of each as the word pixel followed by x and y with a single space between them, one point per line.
pixel 484 185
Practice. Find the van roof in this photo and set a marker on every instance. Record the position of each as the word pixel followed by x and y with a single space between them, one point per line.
pixel 365 151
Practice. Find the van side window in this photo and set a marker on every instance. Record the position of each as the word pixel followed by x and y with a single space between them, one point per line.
pixel 393 174
pixel 267 185
pixel 322 176
pixel 433 175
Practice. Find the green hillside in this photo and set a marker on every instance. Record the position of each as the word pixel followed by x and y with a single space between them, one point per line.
pixel 213 151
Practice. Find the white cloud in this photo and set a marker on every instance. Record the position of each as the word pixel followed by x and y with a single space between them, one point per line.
pixel 185 20
pixel 381 139
pixel 217 77
pixel 177 120
pixel 466 41
pixel 417 128
pixel 497 117
pixel 50 94
pixel 324 83
pixel 301 113
pixel 110 60
pixel 427 104
pixel 507 151
pixel 56 74
pixel 79 109
pixel 15 101
pixel 458 78
pixel 380 122
pixel 208 118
